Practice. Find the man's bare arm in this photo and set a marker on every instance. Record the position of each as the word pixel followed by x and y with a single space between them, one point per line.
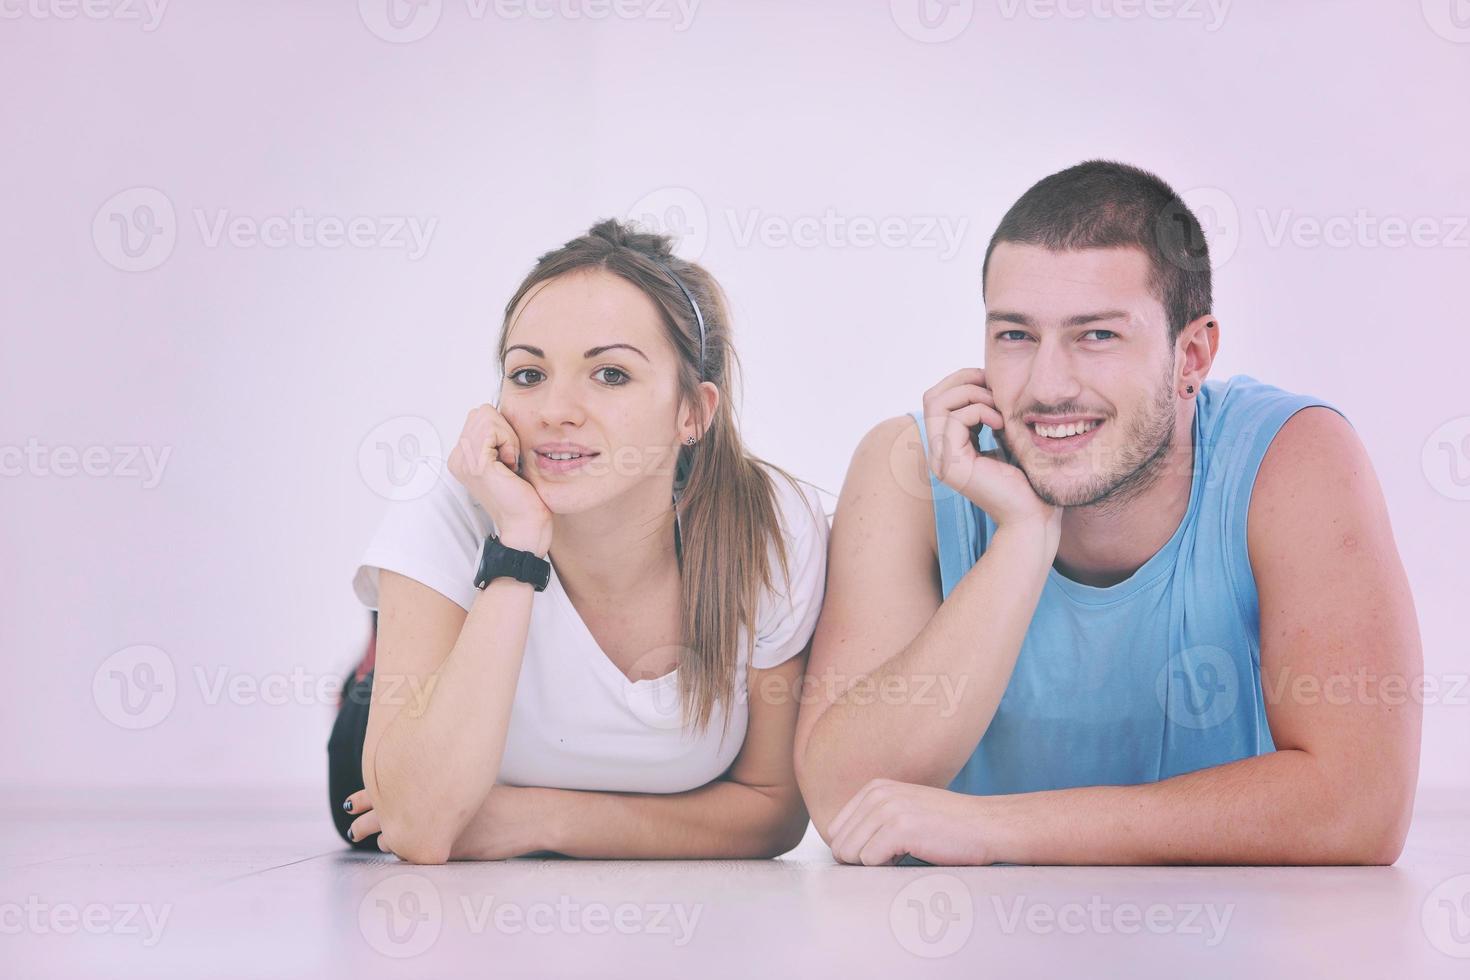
pixel 903 685
pixel 1340 658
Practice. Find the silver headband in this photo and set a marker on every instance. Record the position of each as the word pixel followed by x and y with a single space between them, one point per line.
pixel 698 316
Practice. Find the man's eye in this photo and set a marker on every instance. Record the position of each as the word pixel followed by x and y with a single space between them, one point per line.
pixel 1110 334
pixel 1006 334
pixel 516 374
pixel 616 371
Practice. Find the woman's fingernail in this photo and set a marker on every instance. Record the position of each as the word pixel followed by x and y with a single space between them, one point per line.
pixel 347 804
pixel 351 836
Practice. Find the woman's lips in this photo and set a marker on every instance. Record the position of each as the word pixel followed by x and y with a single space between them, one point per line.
pixel 547 465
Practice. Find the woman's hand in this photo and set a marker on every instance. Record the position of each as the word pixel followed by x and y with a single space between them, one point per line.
pixel 487 461
pixel 510 823
pixel 951 409
pixel 367 823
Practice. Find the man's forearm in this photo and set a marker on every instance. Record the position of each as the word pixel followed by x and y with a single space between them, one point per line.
pixel 722 819
pixel 1278 808
pixel 883 725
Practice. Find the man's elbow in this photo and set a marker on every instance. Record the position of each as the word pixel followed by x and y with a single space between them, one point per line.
pixel 1375 825
pixel 1384 830
pixel 820 809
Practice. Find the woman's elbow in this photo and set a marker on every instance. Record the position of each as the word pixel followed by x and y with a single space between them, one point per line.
pixel 419 848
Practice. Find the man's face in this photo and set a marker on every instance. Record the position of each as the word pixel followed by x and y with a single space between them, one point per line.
pixel 1079 335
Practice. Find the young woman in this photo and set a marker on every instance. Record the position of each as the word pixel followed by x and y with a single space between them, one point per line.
pixel 644 704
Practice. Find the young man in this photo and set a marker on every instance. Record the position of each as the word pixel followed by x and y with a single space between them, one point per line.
pixel 1153 619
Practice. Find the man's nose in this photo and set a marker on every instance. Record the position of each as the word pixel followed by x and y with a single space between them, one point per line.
pixel 1053 379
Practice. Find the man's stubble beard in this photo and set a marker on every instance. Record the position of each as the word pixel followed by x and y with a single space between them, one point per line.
pixel 1142 460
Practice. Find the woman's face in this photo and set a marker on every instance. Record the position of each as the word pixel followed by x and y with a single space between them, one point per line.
pixel 589 370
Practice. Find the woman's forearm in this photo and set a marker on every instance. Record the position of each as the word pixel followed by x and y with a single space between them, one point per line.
pixel 436 761
pixel 970 645
pixel 722 819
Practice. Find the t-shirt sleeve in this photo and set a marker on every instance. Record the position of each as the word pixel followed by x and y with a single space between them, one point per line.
pixel 434 539
pixel 787 616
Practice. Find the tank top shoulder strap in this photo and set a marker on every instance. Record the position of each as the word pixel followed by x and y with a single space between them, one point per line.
pixel 1238 419
pixel 960 527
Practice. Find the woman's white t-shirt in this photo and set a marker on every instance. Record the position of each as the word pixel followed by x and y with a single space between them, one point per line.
pixel 577 722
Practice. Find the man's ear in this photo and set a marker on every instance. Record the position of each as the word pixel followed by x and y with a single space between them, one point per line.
pixel 1198 342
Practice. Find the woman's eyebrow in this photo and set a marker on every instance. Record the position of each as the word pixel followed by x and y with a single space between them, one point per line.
pixel 538 352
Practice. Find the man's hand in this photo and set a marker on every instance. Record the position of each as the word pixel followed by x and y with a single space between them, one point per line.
pixel 952 408
pixel 887 819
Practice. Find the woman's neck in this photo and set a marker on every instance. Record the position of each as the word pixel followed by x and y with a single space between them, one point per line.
pixel 616 549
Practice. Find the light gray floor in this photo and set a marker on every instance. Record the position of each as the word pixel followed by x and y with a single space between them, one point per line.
pixel 214 884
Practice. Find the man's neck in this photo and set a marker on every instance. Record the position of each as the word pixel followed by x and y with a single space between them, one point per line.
pixel 1104 543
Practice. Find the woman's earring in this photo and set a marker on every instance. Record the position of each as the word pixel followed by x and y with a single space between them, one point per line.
pixel 1190 389
pixel 689 441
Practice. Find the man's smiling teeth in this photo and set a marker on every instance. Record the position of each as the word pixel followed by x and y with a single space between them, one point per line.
pixel 1062 431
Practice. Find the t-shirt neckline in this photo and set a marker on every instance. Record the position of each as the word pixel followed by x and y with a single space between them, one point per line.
pixel 604 662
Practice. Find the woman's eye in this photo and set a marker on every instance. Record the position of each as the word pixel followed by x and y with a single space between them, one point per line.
pixel 602 372
pixel 516 374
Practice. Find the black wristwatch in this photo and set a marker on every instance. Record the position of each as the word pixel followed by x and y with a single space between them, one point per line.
pixel 499 561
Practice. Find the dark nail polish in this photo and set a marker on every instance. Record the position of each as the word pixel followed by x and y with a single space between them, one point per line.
pixel 351 836
pixel 347 804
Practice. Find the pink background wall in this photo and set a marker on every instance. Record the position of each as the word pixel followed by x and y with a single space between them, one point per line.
pixel 1324 143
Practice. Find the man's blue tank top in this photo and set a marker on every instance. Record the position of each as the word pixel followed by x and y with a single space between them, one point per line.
pixel 1159 674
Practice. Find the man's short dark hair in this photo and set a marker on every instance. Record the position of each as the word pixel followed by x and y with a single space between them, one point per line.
pixel 1105 204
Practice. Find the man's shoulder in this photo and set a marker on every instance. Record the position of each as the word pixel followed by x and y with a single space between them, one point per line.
pixel 889 478
pixel 1315 470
